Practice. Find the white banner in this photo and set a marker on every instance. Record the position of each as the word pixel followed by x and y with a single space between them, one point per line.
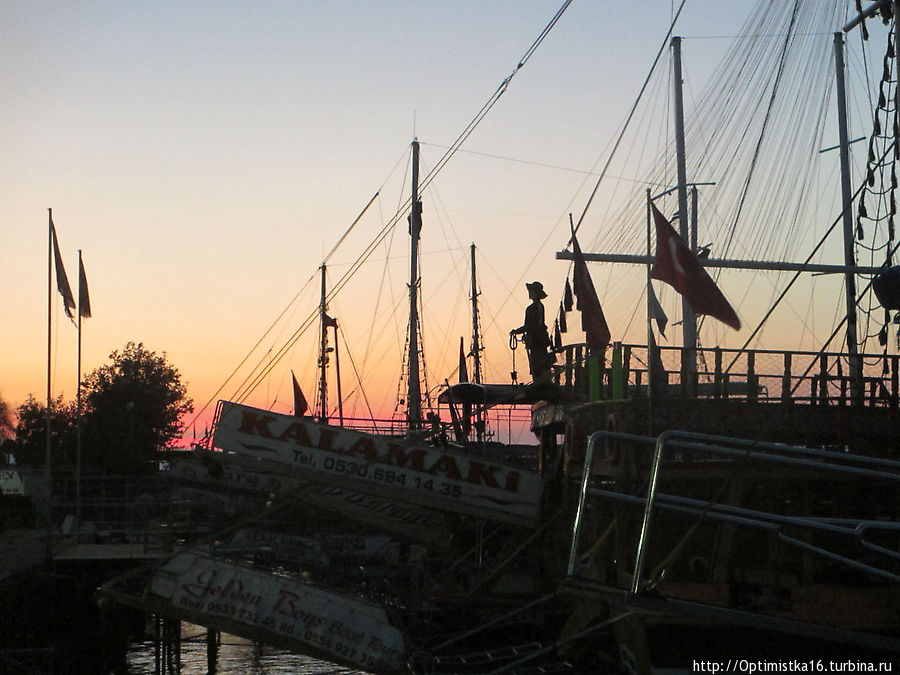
pixel 226 471
pixel 414 473
pixel 352 630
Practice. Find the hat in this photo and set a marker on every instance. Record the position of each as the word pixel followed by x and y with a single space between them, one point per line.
pixel 536 289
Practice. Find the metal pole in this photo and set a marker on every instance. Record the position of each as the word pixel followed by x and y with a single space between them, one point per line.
pixel 337 371
pixel 323 354
pixel 78 414
pixel 414 393
pixel 694 218
pixel 856 378
pixel 47 470
pixel 767 265
pixel 689 326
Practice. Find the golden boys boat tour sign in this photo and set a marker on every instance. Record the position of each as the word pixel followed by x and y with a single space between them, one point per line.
pixel 342 628
pixel 414 473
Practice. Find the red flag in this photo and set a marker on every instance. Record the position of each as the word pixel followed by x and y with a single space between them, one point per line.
pixel 593 323
pixel 678 267
pixel 300 404
pixel 329 322
pixel 463 370
pixel 62 281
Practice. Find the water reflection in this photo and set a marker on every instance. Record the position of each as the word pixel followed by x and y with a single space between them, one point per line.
pixel 236 656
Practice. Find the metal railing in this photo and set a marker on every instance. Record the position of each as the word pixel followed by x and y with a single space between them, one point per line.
pixel 816 378
pixel 866 546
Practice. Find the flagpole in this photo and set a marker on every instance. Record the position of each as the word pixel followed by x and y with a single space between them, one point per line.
pixel 47 473
pixel 81 296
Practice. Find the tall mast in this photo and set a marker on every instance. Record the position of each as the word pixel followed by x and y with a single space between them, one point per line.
pixel 414 392
pixel 476 347
pixel 689 327
pixel 856 381
pixel 323 354
pixel 476 339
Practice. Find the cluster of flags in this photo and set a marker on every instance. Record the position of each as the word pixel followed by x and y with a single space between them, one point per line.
pixel 674 264
pixel 62 281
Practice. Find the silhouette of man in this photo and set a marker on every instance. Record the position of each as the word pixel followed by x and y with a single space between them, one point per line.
pixel 537 339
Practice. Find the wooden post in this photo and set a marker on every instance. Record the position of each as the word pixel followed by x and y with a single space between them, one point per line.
pixel 751 377
pixel 717 376
pixel 212 650
pixel 895 380
pixel 626 366
pixel 786 380
pixel 617 373
pixel 823 379
pixel 580 370
pixel 595 378
pixel 157 644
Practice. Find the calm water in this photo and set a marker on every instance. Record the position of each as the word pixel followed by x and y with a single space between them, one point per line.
pixel 237 656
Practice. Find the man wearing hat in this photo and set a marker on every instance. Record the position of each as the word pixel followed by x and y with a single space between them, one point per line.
pixel 537 339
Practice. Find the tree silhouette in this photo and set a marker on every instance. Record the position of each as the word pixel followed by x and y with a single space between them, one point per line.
pixel 132 409
pixel 31 432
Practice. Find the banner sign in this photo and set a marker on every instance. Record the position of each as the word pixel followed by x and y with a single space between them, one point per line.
pixel 321 550
pixel 414 473
pixel 351 630
pixel 227 471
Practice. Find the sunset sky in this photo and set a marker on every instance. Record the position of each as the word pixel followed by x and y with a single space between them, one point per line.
pixel 206 156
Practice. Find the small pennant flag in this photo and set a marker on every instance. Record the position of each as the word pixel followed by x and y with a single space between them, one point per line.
pixel 656 311
pixel 300 404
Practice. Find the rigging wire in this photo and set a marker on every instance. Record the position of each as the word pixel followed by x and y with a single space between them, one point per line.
pixel 837 221
pixel 252 382
pixel 630 115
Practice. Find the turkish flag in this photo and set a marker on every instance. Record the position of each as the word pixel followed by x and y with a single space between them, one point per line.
pixel 678 267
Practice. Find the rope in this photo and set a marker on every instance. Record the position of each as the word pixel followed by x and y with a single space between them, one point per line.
pixel 251 383
pixel 612 154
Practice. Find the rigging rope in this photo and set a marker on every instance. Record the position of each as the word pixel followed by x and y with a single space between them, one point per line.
pixel 251 383
pixel 630 115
